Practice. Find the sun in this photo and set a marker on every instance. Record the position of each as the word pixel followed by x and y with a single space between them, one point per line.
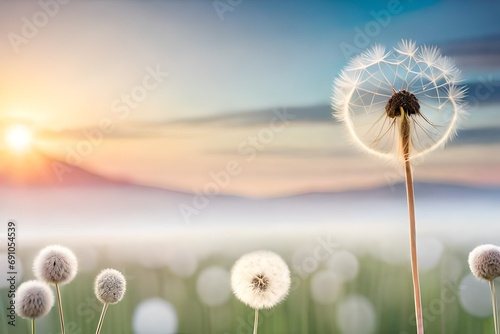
pixel 19 138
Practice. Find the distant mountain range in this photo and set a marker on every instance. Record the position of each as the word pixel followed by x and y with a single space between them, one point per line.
pixel 83 198
pixel 35 169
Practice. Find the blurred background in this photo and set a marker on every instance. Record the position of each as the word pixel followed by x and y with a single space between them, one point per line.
pixel 167 138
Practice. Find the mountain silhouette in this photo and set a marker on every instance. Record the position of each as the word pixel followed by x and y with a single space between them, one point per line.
pixel 37 189
pixel 36 169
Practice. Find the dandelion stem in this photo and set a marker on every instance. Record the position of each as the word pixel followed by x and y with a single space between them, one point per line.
pixel 33 329
pixel 101 319
pixel 494 302
pixel 59 305
pixel 256 321
pixel 405 146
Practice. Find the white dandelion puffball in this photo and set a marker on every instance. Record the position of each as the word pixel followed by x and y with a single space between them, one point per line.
pixel 484 262
pixel 56 265
pixel 34 299
pixel 260 279
pixel 110 286
pixel 373 88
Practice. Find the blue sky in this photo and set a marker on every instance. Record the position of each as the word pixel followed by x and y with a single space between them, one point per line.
pixel 263 55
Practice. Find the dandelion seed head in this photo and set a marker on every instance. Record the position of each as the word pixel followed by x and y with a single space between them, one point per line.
pixel 55 265
pixel 362 93
pixel 402 100
pixel 110 286
pixel 484 262
pixel 34 299
pixel 260 279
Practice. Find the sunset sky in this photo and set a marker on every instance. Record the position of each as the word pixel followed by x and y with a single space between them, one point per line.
pixel 171 93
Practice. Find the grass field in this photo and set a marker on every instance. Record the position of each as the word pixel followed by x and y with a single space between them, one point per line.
pixel 366 290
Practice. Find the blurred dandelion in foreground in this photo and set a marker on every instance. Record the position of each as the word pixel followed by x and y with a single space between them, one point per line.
pixel 109 288
pixel 34 299
pixel 399 105
pixel 484 263
pixel 56 265
pixel 260 279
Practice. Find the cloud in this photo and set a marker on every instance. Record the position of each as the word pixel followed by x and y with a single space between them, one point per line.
pixel 135 131
pixel 478 136
pixel 482 52
pixel 318 113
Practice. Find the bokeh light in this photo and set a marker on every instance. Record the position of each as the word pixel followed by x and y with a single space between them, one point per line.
pixel 326 287
pixel 155 316
pixel 213 286
pixel 356 314
pixel 429 253
pixel 345 264
pixel 475 297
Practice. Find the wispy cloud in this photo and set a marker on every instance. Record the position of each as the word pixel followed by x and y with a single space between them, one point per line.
pixel 481 52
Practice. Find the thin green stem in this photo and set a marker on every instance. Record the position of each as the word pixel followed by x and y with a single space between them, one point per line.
pixel 59 305
pixel 405 146
pixel 256 321
pixel 494 302
pixel 33 329
pixel 101 320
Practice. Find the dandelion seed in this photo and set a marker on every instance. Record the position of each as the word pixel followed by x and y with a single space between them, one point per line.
pixel 484 263
pixel 34 299
pixel 260 279
pixel 109 288
pixel 400 105
pixel 56 265
pixel 419 76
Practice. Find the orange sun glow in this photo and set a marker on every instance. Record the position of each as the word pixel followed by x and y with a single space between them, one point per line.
pixel 18 138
